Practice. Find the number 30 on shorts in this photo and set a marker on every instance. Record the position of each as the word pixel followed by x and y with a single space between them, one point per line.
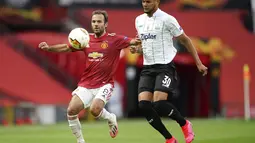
pixel 166 81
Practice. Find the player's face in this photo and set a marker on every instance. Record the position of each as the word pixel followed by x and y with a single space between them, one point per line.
pixel 98 24
pixel 150 6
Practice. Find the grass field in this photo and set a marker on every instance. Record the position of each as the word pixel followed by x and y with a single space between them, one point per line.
pixel 132 131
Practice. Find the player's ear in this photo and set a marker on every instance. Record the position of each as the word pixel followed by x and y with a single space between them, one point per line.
pixel 106 24
pixel 158 1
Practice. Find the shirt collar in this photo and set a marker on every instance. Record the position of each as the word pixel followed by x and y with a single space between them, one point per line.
pixel 157 13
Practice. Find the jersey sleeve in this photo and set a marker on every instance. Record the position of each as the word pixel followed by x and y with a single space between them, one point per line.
pixel 136 24
pixel 136 27
pixel 173 26
pixel 122 42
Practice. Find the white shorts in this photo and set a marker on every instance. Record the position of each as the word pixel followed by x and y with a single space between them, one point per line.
pixel 87 95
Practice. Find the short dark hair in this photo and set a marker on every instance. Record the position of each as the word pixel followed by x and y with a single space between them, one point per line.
pixel 103 12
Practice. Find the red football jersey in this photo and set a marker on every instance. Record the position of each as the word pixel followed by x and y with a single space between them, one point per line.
pixel 102 58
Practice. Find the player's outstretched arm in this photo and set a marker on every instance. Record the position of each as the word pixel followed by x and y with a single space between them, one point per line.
pixel 54 48
pixel 186 41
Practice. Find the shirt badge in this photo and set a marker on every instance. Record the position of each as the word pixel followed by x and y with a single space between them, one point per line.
pixel 104 45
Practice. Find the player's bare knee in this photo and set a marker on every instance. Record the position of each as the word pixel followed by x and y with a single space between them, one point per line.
pixel 147 96
pixel 71 111
pixel 75 106
pixel 159 95
pixel 95 110
pixel 96 107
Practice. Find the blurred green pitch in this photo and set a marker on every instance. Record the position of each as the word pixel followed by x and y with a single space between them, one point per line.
pixel 132 131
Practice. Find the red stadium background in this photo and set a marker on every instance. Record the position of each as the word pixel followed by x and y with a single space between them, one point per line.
pixel 220 37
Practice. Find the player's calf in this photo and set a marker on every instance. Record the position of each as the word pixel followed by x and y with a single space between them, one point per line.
pixel 75 106
pixel 97 109
pixel 75 126
pixel 153 118
pixel 164 108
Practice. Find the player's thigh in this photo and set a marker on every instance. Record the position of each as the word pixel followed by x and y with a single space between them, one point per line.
pixel 103 95
pixel 166 82
pixel 146 88
pixel 75 106
pixel 83 97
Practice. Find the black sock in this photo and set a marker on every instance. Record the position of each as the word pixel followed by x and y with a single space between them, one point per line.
pixel 164 108
pixel 153 118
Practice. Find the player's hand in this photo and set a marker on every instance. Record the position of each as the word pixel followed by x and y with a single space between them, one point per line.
pixel 136 46
pixel 44 46
pixel 136 49
pixel 138 41
pixel 133 49
pixel 202 69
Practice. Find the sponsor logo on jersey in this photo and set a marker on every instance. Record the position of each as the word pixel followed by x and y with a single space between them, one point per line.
pixel 148 36
pixel 95 55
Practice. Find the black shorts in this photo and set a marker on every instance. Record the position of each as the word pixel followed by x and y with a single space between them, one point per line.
pixel 158 77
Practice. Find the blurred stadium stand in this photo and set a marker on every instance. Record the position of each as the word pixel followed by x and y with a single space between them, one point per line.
pixel 222 31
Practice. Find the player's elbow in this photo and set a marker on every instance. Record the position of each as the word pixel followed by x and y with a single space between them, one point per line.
pixel 67 48
pixel 185 41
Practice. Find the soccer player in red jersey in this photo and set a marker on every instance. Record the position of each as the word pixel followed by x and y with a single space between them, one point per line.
pixel 96 84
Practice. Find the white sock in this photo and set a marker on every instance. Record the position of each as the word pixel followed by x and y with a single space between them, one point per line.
pixel 75 126
pixel 105 114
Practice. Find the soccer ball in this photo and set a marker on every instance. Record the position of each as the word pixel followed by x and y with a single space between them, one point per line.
pixel 79 38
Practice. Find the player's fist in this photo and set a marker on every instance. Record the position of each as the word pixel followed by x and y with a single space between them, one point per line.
pixel 136 49
pixel 136 46
pixel 44 46
pixel 203 69
pixel 133 49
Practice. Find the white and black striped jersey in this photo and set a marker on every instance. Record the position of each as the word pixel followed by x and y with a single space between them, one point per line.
pixel 157 34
